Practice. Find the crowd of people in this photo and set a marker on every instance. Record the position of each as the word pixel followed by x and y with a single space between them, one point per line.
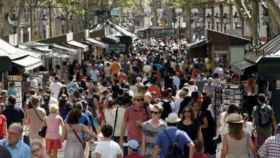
pixel 153 103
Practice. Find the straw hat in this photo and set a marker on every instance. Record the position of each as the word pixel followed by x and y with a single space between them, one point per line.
pixel 147 68
pixel 234 118
pixel 157 106
pixel 138 95
pixel 172 118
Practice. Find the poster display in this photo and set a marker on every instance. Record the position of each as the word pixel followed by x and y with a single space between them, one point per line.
pixel 18 86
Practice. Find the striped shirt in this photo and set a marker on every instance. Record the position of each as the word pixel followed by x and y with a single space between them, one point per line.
pixel 271 147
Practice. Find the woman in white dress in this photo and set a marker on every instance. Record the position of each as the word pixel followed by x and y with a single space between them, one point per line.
pixel 237 143
pixel 74 147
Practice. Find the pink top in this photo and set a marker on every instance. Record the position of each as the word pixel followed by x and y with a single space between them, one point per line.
pixel 53 122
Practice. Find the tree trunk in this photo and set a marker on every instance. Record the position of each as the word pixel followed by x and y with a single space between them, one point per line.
pixel 50 20
pixel 252 27
pixel 31 20
pixel 213 18
pixel 67 22
pixel 188 21
pixel 20 15
pixel 204 20
pixel 155 16
pixel 221 7
pixel 274 10
pixel 230 17
pixel 255 22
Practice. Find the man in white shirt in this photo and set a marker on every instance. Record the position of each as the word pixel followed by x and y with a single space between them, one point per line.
pixel 55 87
pixel 191 87
pixel 107 148
pixel 176 103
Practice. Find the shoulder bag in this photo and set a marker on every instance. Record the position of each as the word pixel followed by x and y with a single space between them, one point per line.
pixel 42 132
pixel 83 143
pixel 115 121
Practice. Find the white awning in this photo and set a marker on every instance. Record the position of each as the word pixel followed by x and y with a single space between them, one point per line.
pixel 66 50
pixel 79 44
pixel 28 63
pixel 43 49
pixel 3 53
pixel 97 43
pixel 123 31
pixel 11 51
pixel 59 55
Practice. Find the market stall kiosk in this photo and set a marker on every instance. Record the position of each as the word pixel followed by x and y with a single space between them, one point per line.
pixel 98 47
pixel 267 59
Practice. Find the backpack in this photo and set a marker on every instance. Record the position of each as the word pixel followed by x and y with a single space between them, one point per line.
pixel 174 150
pixel 264 114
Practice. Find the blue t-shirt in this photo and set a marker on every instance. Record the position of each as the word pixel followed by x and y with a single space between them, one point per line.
pixel 90 118
pixel 163 141
pixel 84 119
pixel 21 149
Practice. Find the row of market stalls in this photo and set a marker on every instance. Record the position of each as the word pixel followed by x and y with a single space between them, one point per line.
pixel 86 45
pixel 14 62
pixel 33 59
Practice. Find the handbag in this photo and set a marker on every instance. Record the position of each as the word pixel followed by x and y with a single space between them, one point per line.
pixel 42 132
pixel 78 137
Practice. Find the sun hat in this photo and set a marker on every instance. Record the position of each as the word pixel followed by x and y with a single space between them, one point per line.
pixel 132 144
pixel 156 107
pixel 172 118
pixel 4 93
pixel 138 95
pixel 234 118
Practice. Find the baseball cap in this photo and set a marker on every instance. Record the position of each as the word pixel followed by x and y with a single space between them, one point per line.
pixel 132 144
pixel 278 126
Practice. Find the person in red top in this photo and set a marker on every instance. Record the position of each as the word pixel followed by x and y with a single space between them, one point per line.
pixel 134 116
pixel 133 147
pixel 3 122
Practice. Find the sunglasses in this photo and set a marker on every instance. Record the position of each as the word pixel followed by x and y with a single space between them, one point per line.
pixel 35 149
pixel 187 111
pixel 155 112
pixel 139 99
pixel 13 133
